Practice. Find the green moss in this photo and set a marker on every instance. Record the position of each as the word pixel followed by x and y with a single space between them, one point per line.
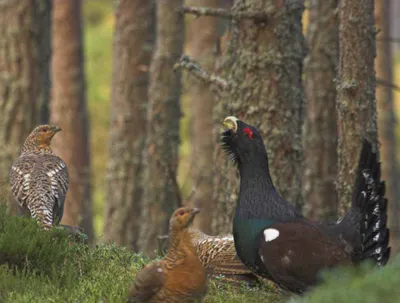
pixel 41 266
pixel 49 266
pixel 363 285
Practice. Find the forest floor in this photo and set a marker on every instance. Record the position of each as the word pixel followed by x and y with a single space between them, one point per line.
pixel 42 266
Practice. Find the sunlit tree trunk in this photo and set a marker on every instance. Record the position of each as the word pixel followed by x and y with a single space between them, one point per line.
pixel 320 135
pixel 386 116
pixel 24 71
pixel 203 34
pixel 68 110
pixel 162 144
pixel 132 53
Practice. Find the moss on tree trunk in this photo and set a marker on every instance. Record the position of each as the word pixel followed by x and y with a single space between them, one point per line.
pixel 132 54
pixel 320 133
pixel 163 115
pixel 264 65
pixel 24 71
pixel 356 104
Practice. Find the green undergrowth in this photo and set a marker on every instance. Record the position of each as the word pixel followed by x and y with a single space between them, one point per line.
pixel 49 266
pixel 363 285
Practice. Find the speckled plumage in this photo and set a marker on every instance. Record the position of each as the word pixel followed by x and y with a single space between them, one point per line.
pixel 179 276
pixel 39 179
pixel 219 257
pixel 218 254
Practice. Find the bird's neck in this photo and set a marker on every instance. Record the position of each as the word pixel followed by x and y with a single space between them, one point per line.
pixel 32 146
pixel 258 198
pixel 180 246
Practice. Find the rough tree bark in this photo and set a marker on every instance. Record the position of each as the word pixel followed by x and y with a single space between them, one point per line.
pixel 203 34
pixel 386 115
pixel 161 153
pixel 262 68
pixel 68 110
pixel 132 54
pixel 320 132
pixel 24 71
pixel 355 90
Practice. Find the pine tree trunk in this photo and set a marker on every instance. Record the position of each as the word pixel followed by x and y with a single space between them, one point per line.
pixel 201 46
pixel 132 54
pixel 264 65
pixel 356 90
pixel 386 115
pixel 320 134
pixel 161 154
pixel 68 110
pixel 24 71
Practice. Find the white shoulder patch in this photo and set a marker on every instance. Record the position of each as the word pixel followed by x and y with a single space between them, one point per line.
pixel 270 234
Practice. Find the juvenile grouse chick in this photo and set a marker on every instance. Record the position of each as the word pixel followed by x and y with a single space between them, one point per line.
pixel 179 276
pixel 39 179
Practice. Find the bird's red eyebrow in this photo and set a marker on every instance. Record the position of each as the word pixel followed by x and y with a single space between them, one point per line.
pixel 248 132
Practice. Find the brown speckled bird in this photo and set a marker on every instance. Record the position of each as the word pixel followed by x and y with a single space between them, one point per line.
pixel 218 256
pixel 39 179
pixel 179 276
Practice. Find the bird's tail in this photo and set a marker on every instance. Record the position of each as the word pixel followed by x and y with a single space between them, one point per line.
pixel 369 199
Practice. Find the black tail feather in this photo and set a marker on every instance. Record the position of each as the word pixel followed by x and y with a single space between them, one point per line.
pixel 369 197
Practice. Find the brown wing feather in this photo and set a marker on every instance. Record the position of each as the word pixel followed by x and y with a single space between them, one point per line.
pixel 148 282
pixel 20 177
pixel 218 254
pixel 39 182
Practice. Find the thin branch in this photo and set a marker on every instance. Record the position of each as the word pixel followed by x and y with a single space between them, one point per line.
pixel 186 63
pixel 391 85
pixel 388 39
pixel 223 13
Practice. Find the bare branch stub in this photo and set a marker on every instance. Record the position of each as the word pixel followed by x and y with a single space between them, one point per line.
pixel 388 39
pixel 195 69
pixel 391 85
pixel 223 13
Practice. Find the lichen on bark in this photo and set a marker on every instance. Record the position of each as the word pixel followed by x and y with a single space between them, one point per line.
pixel 264 62
pixel 356 103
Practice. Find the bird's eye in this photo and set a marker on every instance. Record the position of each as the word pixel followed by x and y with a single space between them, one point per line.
pixel 45 130
pixel 248 132
pixel 181 212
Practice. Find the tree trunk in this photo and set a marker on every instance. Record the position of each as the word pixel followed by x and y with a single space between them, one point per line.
pixel 68 110
pixel 161 154
pixel 320 134
pixel 264 65
pixel 356 90
pixel 132 54
pixel 386 116
pixel 201 46
pixel 24 71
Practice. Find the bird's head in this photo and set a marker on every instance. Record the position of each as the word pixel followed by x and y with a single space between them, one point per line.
pixel 241 141
pixel 40 138
pixel 183 217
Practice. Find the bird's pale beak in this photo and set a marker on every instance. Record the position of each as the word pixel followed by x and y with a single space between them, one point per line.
pixel 231 123
pixel 57 129
pixel 195 211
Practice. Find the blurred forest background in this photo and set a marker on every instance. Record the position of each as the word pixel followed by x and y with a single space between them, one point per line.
pixel 123 159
